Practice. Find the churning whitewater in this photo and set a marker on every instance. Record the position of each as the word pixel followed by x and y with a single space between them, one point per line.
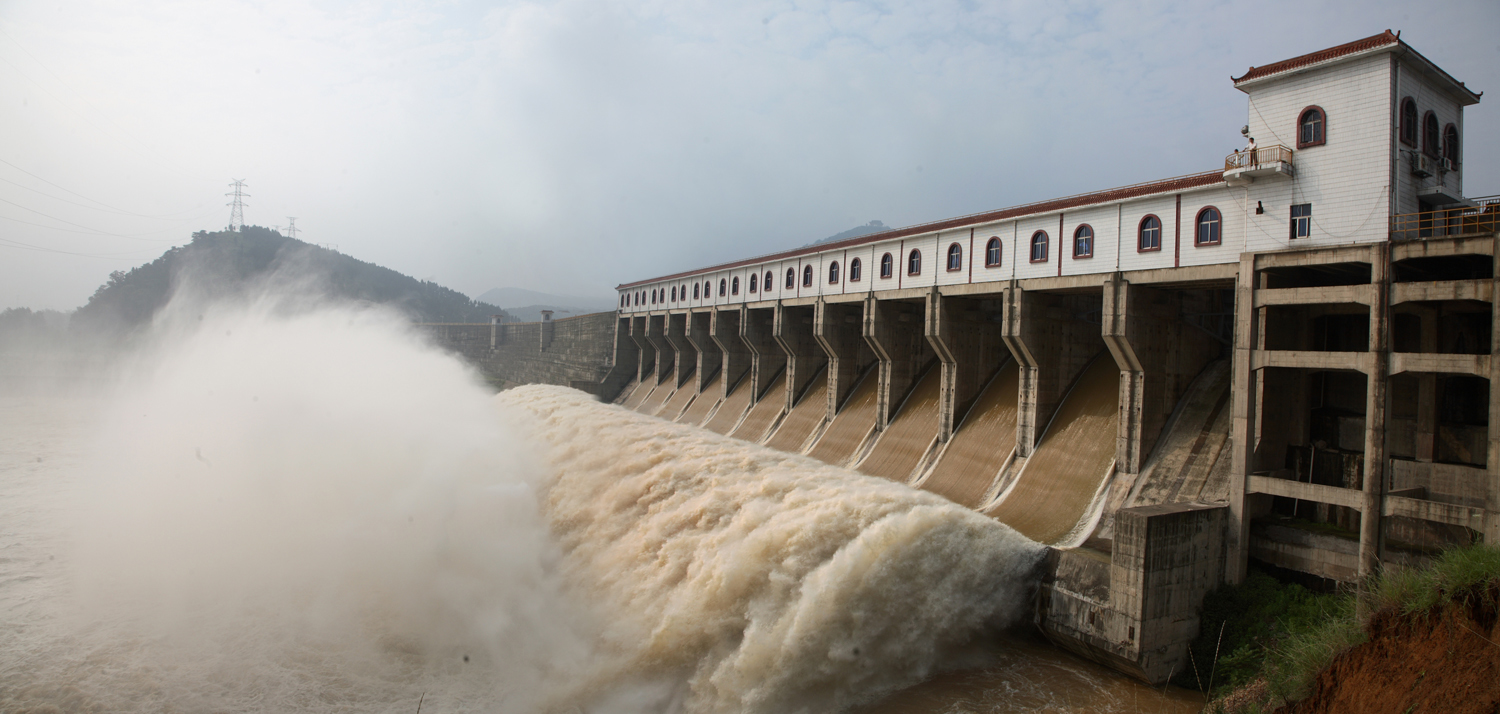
pixel 294 509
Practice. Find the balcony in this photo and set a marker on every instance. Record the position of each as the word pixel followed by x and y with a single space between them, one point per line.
pixel 1480 219
pixel 1266 162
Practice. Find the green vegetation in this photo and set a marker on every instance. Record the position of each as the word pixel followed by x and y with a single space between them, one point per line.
pixel 228 263
pixel 1275 638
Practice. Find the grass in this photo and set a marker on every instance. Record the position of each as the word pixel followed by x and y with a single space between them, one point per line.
pixel 1279 636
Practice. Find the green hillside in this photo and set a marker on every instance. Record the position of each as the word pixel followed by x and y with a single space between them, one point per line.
pixel 227 263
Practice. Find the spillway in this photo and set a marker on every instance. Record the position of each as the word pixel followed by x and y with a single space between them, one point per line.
pixel 665 388
pixel 625 393
pixel 643 389
pixel 728 416
pixel 852 424
pixel 679 399
pixel 802 419
pixel 910 434
pixel 704 403
pixel 765 411
pixel 984 441
pixel 1058 483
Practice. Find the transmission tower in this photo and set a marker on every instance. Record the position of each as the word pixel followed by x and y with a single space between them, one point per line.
pixel 237 206
pixel 291 227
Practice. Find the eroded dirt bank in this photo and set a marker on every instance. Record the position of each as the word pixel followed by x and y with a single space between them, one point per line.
pixel 1446 660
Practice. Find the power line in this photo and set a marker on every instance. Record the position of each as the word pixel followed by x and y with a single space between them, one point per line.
pixel 79 225
pixel 237 206
pixel 86 198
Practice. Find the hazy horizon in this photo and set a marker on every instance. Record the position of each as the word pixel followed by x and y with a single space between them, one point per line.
pixel 566 147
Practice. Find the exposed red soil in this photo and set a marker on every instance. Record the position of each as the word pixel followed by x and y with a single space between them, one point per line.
pixel 1447 660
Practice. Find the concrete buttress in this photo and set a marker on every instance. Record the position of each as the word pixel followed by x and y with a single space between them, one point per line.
pixel 793 330
pixel 836 326
pixel 966 334
pixel 894 329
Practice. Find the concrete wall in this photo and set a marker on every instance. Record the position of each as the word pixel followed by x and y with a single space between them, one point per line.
pixel 582 353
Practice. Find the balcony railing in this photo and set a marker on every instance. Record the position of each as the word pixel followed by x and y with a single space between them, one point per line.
pixel 1242 160
pixel 1481 219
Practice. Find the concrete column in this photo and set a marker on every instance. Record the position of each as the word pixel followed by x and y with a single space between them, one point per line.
pixel 757 331
pixel 656 334
pixel 494 330
pixel 1427 426
pixel 1492 499
pixel 837 327
pixel 1243 389
pixel 1158 354
pixel 724 330
pixel 793 330
pixel 1370 545
pixel 647 359
pixel 686 355
pixel 894 329
pixel 966 335
pixel 710 357
pixel 1053 344
pixel 545 331
pixel 625 365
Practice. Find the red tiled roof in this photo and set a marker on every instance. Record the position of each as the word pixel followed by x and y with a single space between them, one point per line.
pixel 1181 183
pixel 1368 43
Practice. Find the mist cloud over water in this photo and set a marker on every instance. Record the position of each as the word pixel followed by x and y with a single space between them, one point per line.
pixel 303 508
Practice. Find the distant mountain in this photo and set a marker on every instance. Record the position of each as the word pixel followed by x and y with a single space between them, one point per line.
pixel 855 232
pixel 227 263
pixel 527 305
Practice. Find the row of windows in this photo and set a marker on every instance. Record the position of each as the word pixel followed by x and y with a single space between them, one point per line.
pixel 1208 231
pixel 1437 143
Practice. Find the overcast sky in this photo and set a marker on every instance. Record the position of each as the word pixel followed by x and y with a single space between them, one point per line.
pixel 570 146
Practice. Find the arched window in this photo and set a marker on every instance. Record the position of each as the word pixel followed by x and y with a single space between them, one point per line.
pixel 1039 247
pixel 653 296
pixel 734 286
pixel 722 284
pixel 696 293
pixel 914 262
pixel 1409 122
pixel 768 282
pixel 1083 241
pixel 992 253
pixel 1430 134
pixel 1149 234
pixel 684 292
pixel 887 265
pixel 1450 146
pixel 1209 226
pixel 807 277
pixel 708 289
pixel 754 279
pixel 833 273
pixel 674 293
pixel 1311 128
pixel 854 270
pixel 955 257
pixel 791 278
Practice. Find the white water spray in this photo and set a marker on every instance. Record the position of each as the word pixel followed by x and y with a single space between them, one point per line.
pixel 308 510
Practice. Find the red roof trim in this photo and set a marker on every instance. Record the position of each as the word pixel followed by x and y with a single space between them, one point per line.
pixel 1368 43
pixel 1113 195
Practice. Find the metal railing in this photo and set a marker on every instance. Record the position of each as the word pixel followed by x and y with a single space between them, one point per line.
pixel 1482 219
pixel 1261 155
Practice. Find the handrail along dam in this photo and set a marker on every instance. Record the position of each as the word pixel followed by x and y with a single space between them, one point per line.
pixel 1288 358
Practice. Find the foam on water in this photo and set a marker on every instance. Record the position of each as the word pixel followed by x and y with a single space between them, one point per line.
pixel 307 509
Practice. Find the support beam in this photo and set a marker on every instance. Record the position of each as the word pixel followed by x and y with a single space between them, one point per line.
pixel 757 330
pixel 647 358
pixel 837 328
pixel 794 332
pixel 1053 340
pixel 894 330
pixel 656 334
pixel 1492 501
pixel 1158 354
pixel 1370 545
pixel 1243 420
pixel 966 335
pixel 710 357
pixel 725 328
pixel 686 355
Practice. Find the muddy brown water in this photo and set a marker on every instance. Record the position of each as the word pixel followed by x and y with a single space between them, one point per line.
pixel 981 445
pixel 803 419
pixel 909 435
pixel 854 421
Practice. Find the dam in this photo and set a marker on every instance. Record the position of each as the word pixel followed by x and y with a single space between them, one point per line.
pixel 1287 359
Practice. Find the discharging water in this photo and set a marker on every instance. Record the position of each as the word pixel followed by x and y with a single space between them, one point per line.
pixel 264 518
pixel 984 441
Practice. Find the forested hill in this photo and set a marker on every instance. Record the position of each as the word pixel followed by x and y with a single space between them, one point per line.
pixel 226 263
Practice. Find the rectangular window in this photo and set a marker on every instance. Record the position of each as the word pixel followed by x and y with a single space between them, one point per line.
pixel 1301 220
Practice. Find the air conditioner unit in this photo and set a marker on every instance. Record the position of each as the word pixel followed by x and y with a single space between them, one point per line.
pixel 1421 165
pixel 1445 164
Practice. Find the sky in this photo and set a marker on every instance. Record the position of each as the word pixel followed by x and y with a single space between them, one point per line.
pixel 569 146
